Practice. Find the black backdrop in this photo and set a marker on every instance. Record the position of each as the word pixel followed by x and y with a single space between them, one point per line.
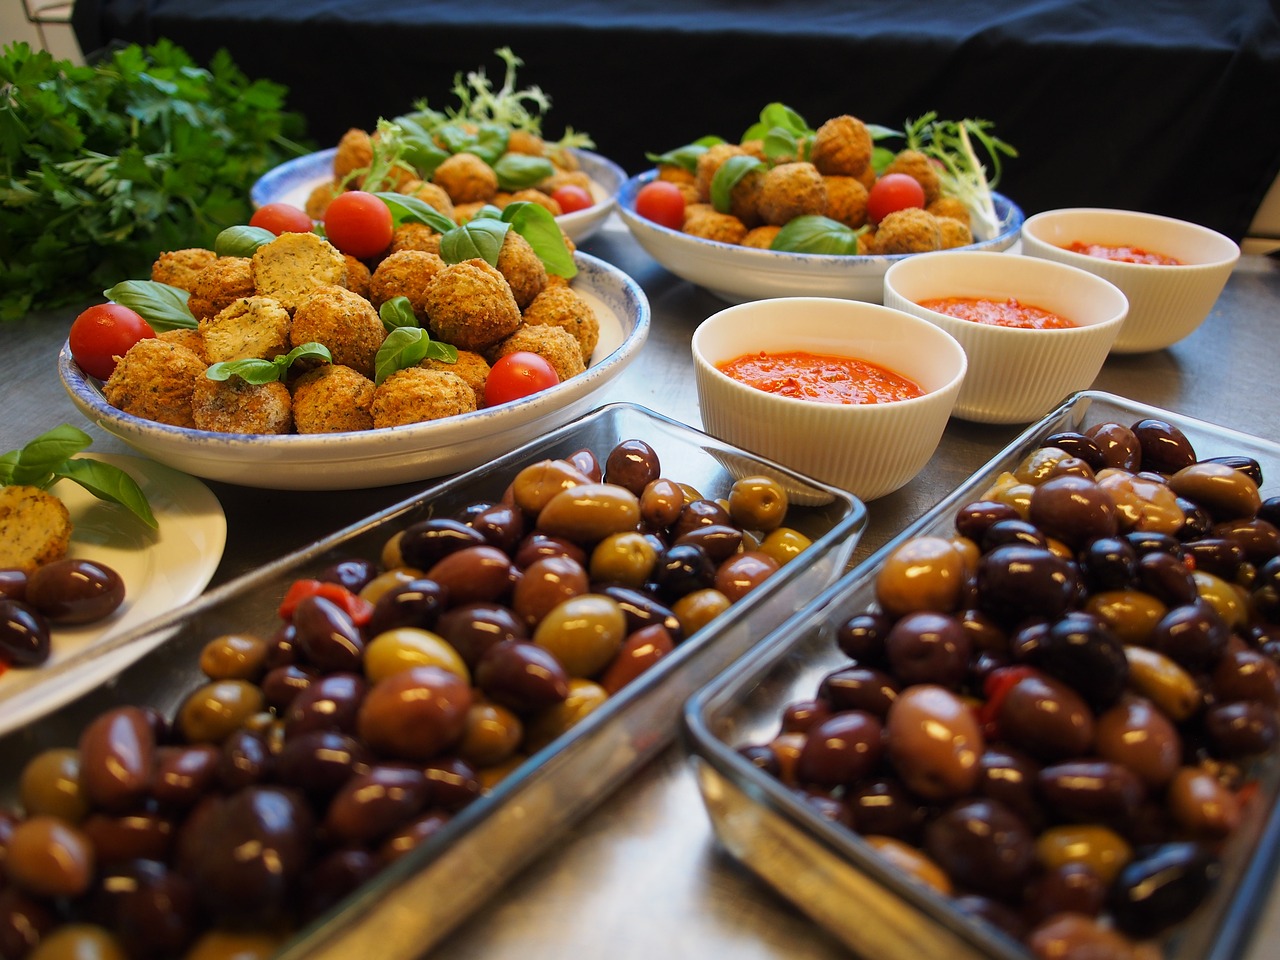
pixel 1170 106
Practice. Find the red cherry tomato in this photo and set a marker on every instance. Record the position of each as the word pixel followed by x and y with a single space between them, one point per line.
pixel 572 198
pixel 281 218
pixel 358 223
pixel 893 191
pixel 103 334
pixel 518 375
pixel 662 202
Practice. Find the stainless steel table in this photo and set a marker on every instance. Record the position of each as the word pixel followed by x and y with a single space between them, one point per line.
pixel 642 876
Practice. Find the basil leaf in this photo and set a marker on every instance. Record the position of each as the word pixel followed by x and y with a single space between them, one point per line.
pixel 815 234
pixel 108 482
pixel 241 240
pixel 40 456
pixel 445 352
pixel 8 461
pixel 781 144
pixel 686 156
pixel 481 237
pixel 407 209
pixel 535 223
pixel 397 312
pixel 490 143
pixel 727 176
pixel 455 137
pixel 162 306
pixel 516 171
pixel 404 347
pixel 253 370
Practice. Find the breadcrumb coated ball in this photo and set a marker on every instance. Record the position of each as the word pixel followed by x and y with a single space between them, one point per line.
pixel 432 194
pixel 154 380
pixel 35 528
pixel 470 366
pixel 318 200
pixel 846 200
pixel 222 282
pixel 464 212
pixel 294 265
pixel 710 225
pixel 842 147
pixel 358 275
pixel 954 233
pixel 910 230
pixel 332 399
pixel 523 269
pixel 470 305
pixel 415 236
pixel 563 307
pixel 920 168
pixel 355 152
pixel 949 206
pixel 237 406
pixel 554 344
pixel 565 178
pixel 466 178
pixel 188 337
pixel 405 273
pixel 532 195
pixel 761 237
pixel 415 394
pixel 526 141
pixel 709 162
pixel 791 190
pixel 343 321
pixel 179 268
pixel 249 327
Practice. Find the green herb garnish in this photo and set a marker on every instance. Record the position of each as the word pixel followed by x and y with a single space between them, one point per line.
pixel 406 344
pixel 162 306
pixel 963 173
pixel 258 371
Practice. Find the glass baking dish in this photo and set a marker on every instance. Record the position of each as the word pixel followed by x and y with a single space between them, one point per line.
pixel 828 871
pixel 418 898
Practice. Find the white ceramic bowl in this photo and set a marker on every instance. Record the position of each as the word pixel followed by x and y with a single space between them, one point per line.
pixel 1015 375
pixel 1166 301
pixel 293 181
pixel 736 274
pixel 868 449
pixel 373 458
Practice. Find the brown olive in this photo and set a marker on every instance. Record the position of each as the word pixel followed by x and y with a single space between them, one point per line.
pixel 79 941
pixel 370 805
pixel 1259 538
pixel 1137 735
pixel 590 512
pixel 934 742
pixel 24 921
pixel 841 749
pixel 698 608
pixel 1242 728
pixel 183 774
pixel 1080 649
pixel 537 545
pixel 413 603
pixel 117 751
pixel 1073 509
pixel 1016 581
pixel 1201 804
pixel 911 861
pixel 73 590
pixel 240 656
pixel 639 651
pixel 330 702
pixel 521 675
pixel 1246 674
pixel 1118 445
pixel 1011 777
pixel 13 584
pixel 49 857
pixel 924 573
pixel 1046 718
pixel 661 502
pixel 547 583
pixel 632 464
pixel 50 784
pixel 1160 887
pixel 1193 635
pixel 234 945
pixel 1092 791
pixel 718 541
pixel 982 845
pixel 1077 935
pixel 414 714
pixel 1142 503
pixel 149 906
pixel 584 697
pixel 24 634
pixel 500 524
pixel 925 647
pixel 474 575
pixel 1165 448
pixel 326 635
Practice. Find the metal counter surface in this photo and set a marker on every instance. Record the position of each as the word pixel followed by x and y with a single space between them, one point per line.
pixel 642 876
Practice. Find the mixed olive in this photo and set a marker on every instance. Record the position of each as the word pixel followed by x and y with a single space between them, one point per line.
pixel 1054 714
pixel 390 693
pixel 66 592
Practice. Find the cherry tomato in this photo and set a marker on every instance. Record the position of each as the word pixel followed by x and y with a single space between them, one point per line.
pixel 572 198
pixel 518 375
pixel 893 191
pixel 281 218
pixel 358 223
pixel 662 202
pixel 103 334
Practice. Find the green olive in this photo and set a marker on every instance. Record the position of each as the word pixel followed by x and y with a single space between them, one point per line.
pixel 696 609
pixel 924 573
pixel 50 784
pixel 661 502
pixel 492 734
pixel 584 697
pixel 590 511
pixel 627 558
pixel 216 710
pixel 234 656
pixel 1131 614
pixel 758 503
pixel 403 648
pixel 583 633
pixel 1103 850
pixel 538 484
pixel 784 544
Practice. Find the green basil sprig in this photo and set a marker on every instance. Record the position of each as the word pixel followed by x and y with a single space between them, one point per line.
pixel 258 371
pixel 241 240
pixel 162 306
pixel 727 176
pixel 408 209
pixel 686 156
pixel 517 171
pixel 816 234
pixel 406 344
pixel 479 237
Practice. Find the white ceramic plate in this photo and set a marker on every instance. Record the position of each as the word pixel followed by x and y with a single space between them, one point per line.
pixel 737 274
pixel 374 458
pixel 293 181
pixel 162 569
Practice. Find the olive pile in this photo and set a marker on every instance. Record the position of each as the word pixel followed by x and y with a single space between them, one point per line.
pixel 1051 715
pixel 391 694
pixel 64 592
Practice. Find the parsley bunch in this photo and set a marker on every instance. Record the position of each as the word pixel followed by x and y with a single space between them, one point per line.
pixel 104 167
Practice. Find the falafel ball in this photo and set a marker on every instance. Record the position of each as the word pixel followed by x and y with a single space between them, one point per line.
pixel 554 344
pixel 846 200
pixel 955 233
pixel 470 366
pixel 358 275
pixel 918 167
pixel 249 327
pixel 910 230
pixel 465 212
pixel 949 206
pixel 432 194
pixel 406 273
pixel 415 236
pixel 188 337
pixel 332 399
pixel 710 225
pixel 415 394
pixel 179 268
pixel 526 141
pixel 709 162
pixel 355 152
pixel 533 195
pixel 470 305
pixel 563 307
pixel 762 237
pixel 343 321
pixel 791 190
pixel 293 265
pixel 237 406
pixel 221 283
pixel 523 269
pixel 842 147
pixel 154 380
pixel 565 178
pixel 466 178
pixel 318 200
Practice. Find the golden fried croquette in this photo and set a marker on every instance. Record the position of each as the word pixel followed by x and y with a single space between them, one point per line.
pixel 533 195
pixel 842 147
pixel 470 305
pixel 406 273
pixel 692 210
pixel 523 269
pixel 761 237
pixel 955 233
pixel 554 344
pixel 565 178
pixel 527 142
pixel 674 173
pixel 417 394
pixel 415 236
pixel 249 327
pixel 563 157
pixel 237 406
pixel 431 194
pixel 846 200
pixel 154 380
pixel 949 206
pixel 563 307
pixel 358 275
pixel 910 230
pixel 710 225
pixel 294 265
pixel 332 399
pixel 755 148
pixel 463 212
pixel 222 282
pixel 355 152
pixel 470 366
pixel 709 162
pixel 318 200
pixel 466 178
pixel 179 268
pixel 744 198
pixel 867 242
pixel 35 528
pixel 791 190
pixel 345 322
pixel 188 337
pixel 920 168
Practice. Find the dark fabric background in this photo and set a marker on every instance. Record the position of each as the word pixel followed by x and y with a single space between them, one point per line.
pixel 1170 106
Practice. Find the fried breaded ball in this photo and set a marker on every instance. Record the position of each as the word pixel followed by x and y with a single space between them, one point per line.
pixel 318 200
pixel 464 212
pixel 406 273
pixel 237 406
pixel 35 528
pixel 710 225
pixel 332 399
pixel 294 265
pixel 565 178
pixel 249 327
pixel 744 198
pixel 692 210
pixel 154 380
pixel 554 344
pixel 842 147
pixel 179 268
pixel 221 283
pixel 343 321
pixel 358 275
pixel 791 190
pixel 355 152
pixel 417 394
pixel 709 162
pixel 953 207
pixel 920 168
pixel 431 194
pixel 470 366
pixel 532 195
pixel 954 233
pixel 527 142
pixel 188 337
pixel 910 230
pixel 470 305
pixel 415 236
pixel 674 173
pixel 523 269
pixel 761 237
pixel 846 201
pixel 563 307
pixel 466 178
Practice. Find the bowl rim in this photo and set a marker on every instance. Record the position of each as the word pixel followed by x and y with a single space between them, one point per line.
pixel 1229 258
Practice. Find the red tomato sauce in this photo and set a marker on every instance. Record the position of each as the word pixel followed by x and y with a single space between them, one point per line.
pixel 998 313
pixel 1121 253
pixel 820 377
